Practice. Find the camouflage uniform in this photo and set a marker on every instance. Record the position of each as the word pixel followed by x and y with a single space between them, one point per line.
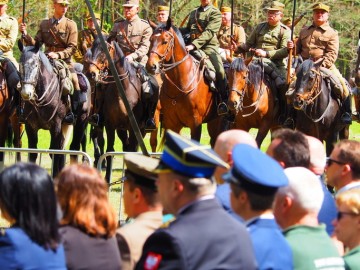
pixel 224 36
pixel 8 34
pixel 203 25
pixel 64 44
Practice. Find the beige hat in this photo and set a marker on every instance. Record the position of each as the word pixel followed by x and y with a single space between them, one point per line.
pixel 321 6
pixel 225 9
pixel 3 2
pixel 131 3
pixel 66 2
pixel 88 16
pixel 163 8
pixel 276 5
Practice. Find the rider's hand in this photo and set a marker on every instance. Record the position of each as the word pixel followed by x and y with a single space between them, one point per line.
pixel 129 59
pixel 22 28
pixel 260 53
pixel 53 55
pixel 190 47
pixel 290 44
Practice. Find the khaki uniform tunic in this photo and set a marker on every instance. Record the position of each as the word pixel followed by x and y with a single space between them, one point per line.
pixel 273 40
pixel 137 41
pixel 65 30
pixel 225 33
pixel 317 42
pixel 8 33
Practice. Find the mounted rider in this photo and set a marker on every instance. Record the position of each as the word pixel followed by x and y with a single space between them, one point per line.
pixel 224 34
pixel 133 36
pixel 8 35
pixel 162 14
pixel 269 40
pixel 59 34
pixel 203 25
pixel 320 41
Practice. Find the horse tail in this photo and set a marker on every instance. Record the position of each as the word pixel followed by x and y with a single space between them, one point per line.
pixel 67 131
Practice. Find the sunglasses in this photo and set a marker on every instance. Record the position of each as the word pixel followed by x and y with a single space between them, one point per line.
pixel 340 215
pixel 330 161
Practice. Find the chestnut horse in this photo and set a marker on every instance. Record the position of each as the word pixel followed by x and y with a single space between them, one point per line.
pixel 250 99
pixel 318 113
pixel 185 98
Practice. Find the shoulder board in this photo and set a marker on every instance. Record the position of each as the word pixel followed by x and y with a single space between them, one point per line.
pixel 69 19
pixel 145 21
pixel 119 20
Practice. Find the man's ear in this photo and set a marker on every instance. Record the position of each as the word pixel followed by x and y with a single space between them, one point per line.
pixel 137 195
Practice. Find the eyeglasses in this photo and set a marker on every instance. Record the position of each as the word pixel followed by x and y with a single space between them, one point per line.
pixel 330 161
pixel 340 215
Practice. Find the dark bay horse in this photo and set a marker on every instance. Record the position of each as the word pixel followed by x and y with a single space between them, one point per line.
pixel 115 115
pixel 185 98
pixel 43 107
pixel 318 113
pixel 250 99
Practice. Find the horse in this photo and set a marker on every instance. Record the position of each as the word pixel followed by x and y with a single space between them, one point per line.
pixel 43 105
pixel 317 110
pixel 250 99
pixel 185 97
pixel 115 115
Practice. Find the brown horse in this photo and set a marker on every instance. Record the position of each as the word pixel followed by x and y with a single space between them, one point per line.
pixel 185 97
pixel 250 99
pixel 318 111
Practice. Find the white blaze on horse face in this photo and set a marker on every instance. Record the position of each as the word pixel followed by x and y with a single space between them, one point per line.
pixel 29 72
pixel 27 91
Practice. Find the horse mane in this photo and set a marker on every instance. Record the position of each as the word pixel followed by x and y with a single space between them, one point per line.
pixel 43 58
pixel 164 27
pixel 305 67
pixel 239 65
pixel 256 75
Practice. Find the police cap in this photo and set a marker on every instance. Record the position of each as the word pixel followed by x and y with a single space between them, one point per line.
pixel 131 3
pixel 163 8
pixel 276 5
pixel 141 170
pixel 321 6
pixel 188 157
pixel 255 171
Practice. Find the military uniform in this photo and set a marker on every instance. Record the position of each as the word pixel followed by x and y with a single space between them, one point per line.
pixel 224 36
pixel 203 25
pixel 133 37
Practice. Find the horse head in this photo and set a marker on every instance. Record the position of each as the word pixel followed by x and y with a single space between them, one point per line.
pixel 95 61
pixel 307 85
pixel 163 40
pixel 237 83
pixel 30 65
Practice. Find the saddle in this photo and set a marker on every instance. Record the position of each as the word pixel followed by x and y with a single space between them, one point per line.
pixel 62 70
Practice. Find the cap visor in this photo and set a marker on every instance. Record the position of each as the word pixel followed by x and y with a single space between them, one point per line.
pixel 162 168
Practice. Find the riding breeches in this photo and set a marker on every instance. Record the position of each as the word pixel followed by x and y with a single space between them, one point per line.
pixel 74 78
pixel 345 90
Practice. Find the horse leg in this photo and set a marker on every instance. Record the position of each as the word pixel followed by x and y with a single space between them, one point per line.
pixel 215 127
pixel 110 148
pixel 3 133
pixel 153 134
pixel 57 142
pixel 78 136
pixel 32 141
pixel 18 130
pixel 196 133
pixel 330 142
pixel 344 132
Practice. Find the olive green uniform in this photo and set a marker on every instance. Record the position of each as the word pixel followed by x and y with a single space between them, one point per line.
pixel 224 36
pixel 133 37
pixel 8 33
pixel 63 42
pixel 273 40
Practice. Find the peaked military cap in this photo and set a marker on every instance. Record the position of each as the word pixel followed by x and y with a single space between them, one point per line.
pixel 225 9
pixel 131 3
pixel 321 6
pixel 3 2
pixel 255 171
pixel 188 157
pixel 64 2
pixel 276 5
pixel 163 8
pixel 97 16
pixel 141 169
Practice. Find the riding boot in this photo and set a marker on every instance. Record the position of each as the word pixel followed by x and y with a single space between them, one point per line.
pixel 77 99
pixel 346 109
pixel 222 108
pixel 210 76
pixel 150 122
pixel 18 106
pixel 96 119
pixel 290 117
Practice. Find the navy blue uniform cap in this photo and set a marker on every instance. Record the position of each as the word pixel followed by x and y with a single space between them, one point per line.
pixel 255 171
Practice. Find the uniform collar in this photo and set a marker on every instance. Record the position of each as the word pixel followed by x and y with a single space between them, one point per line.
pixel 205 8
pixel 325 26
pixel 135 18
pixel 53 20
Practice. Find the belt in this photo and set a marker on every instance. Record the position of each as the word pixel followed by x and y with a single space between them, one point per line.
pixel 54 49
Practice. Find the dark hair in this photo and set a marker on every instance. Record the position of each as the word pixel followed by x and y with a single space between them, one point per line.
pixel 151 196
pixel 27 195
pixel 349 152
pixel 293 148
pixel 82 195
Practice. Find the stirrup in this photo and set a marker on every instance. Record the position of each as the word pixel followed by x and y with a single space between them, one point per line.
pixel 289 123
pixel 69 118
pixel 222 109
pixel 94 120
pixel 150 125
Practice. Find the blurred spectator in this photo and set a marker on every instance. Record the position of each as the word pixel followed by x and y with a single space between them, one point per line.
pixel 254 178
pixel 223 147
pixel 28 203
pixel 88 221
pixel 203 236
pixel 343 166
pixel 347 226
pixel 141 202
pixel 296 210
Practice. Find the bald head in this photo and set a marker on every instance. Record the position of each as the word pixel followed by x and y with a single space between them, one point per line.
pixel 224 144
pixel 317 155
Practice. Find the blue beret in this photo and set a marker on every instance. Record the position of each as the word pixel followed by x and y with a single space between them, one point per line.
pixel 255 171
pixel 188 157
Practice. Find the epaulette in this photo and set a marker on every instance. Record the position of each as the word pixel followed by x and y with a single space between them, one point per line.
pixel 167 223
pixel 144 21
pixel 284 26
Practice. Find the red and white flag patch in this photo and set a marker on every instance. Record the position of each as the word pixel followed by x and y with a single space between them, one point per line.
pixel 152 261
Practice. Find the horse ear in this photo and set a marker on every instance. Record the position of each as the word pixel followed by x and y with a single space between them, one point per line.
pixel 168 24
pixel 37 45
pixel 20 45
pixel 152 24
